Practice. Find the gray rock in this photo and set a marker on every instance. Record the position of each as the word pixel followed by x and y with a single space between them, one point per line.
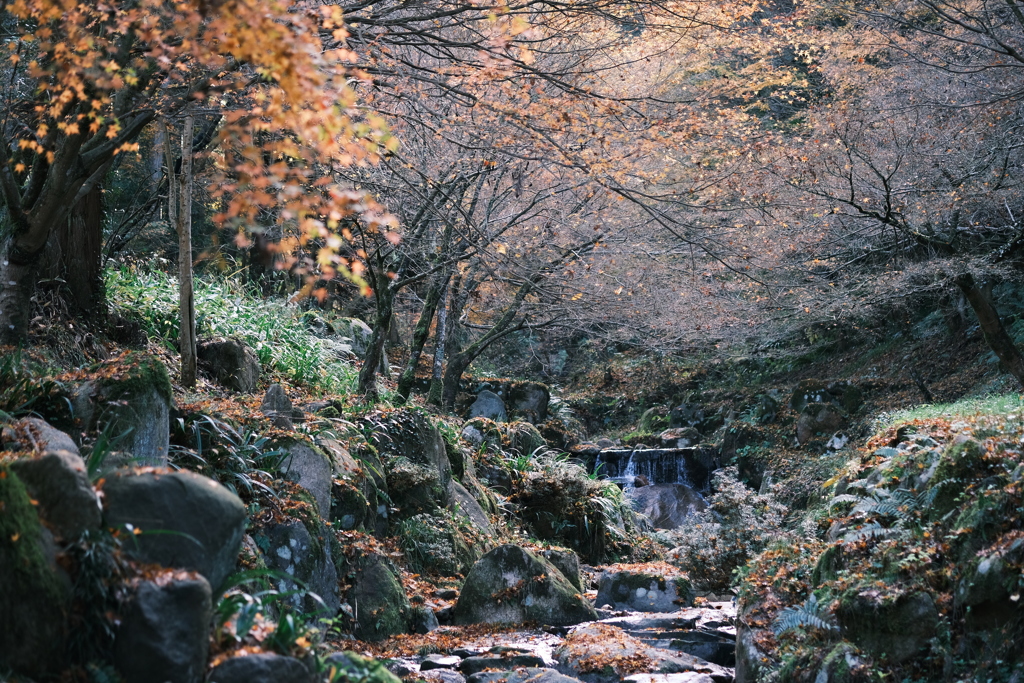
pixel 899 629
pixel 36 435
pixel 296 552
pixel 278 407
pixel 644 592
pixel 679 437
pixel 232 363
pixel 356 331
pixel 439 662
pixel 567 562
pixel 187 520
pixel 410 434
pixel 163 634
pixel 818 420
pixel 685 677
pixel 531 674
pixel 464 504
pixel 264 667
pixel 423 620
pixel 310 468
pixel 512 585
pixel 472 665
pixel 590 647
pixel 668 506
pixel 985 588
pixel 58 481
pixel 488 404
pixel 442 676
pixel 381 606
pixel 524 438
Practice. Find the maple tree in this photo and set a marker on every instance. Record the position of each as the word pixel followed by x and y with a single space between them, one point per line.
pixel 84 81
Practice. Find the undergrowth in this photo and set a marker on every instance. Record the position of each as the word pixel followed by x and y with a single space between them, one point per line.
pixel 275 329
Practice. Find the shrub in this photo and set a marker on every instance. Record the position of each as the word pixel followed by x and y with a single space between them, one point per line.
pixel 737 524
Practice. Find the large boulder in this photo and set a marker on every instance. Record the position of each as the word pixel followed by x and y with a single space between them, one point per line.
pixel 529 401
pixel 602 653
pixel 488 404
pixel 356 331
pixel 668 506
pixel 567 562
pixel 185 520
pixel 34 596
pixel 231 362
pixel 303 554
pixel 985 587
pixel 163 633
pixel 379 606
pixel 819 420
pixel 465 505
pixel 310 468
pixel 263 667
pixel 419 473
pixel 512 585
pixel 650 590
pixel 524 438
pixel 130 398
pixel 55 477
pixel 897 628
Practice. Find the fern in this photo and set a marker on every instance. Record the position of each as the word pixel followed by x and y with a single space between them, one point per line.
pixel 871 531
pixel 808 615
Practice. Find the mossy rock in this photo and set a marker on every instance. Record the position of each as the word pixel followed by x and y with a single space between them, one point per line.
pixel 897 629
pixel 961 461
pixel 480 431
pixel 653 420
pixel 381 608
pixel 350 667
pixel 433 544
pixel 524 438
pixel 415 488
pixel 349 507
pixel 34 599
pixel 512 585
pixel 129 395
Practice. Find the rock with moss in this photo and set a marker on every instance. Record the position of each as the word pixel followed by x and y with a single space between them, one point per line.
pixel 232 363
pixel 278 407
pixel 368 474
pixel 300 550
pixel 162 636
pixel 482 431
pixel 262 667
pixel 985 591
pixel 408 435
pixel 34 594
pixel 309 467
pixel 897 628
pixel 524 438
pixel 529 401
pixel 356 331
pixel 567 562
pixel 512 585
pixel 645 591
pixel 653 420
pixel 960 461
pixel 379 605
pixel 349 507
pixel 844 664
pixel 181 519
pixel 433 543
pixel 415 488
pixel 129 398
pixel 353 668
pixel 522 675
pixel 55 476
pixel 465 505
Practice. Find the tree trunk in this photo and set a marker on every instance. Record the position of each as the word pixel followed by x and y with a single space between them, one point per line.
pixel 186 297
pixel 18 274
pixel 385 297
pixel 441 337
pixel 419 335
pixel 74 254
pixel 996 335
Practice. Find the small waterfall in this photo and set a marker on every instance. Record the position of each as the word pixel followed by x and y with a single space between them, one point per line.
pixel 657 465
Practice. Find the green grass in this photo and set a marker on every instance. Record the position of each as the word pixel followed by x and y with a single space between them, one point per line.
pixel 997 405
pixel 275 329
